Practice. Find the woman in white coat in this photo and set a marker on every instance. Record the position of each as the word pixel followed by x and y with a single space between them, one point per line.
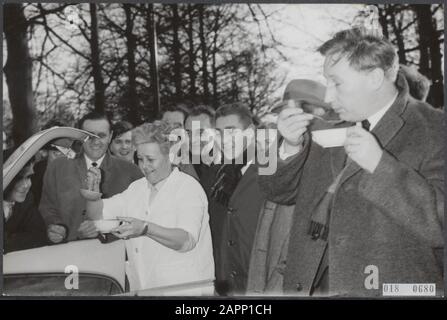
pixel 165 215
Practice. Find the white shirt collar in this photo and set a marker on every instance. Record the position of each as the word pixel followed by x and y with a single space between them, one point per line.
pixel 89 162
pixel 375 118
pixel 160 183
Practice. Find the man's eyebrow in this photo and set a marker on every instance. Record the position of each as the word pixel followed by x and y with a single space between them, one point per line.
pixel 332 77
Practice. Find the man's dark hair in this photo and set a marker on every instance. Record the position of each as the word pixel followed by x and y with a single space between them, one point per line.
pixel 239 109
pixel 203 109
pixel 363 51
pixel 180 107
pixel 94 115
pixel 121 127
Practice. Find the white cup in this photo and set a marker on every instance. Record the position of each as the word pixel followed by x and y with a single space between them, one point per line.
pixel 330 138
pixel 105 226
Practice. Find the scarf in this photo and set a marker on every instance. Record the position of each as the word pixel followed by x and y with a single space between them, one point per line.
pixel 319 224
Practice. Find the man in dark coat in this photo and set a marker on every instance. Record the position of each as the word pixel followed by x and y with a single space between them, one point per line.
pixel 372 211
pixel 199 122
pixel 239 201
pixel 61 205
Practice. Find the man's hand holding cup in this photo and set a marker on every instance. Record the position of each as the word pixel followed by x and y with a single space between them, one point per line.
pixel 292 124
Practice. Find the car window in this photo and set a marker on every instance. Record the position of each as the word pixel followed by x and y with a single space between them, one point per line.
pixel 53 284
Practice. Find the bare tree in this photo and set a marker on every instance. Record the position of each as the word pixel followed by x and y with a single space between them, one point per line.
pixel 131 91
pixel 96 62
pixel 176 52
pixel 203 48
pixel 18 72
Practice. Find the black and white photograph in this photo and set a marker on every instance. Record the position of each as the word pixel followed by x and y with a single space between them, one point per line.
pixel 223 151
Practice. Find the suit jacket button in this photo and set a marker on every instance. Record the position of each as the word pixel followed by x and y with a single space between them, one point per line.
pixel 299 287
pixel 231 243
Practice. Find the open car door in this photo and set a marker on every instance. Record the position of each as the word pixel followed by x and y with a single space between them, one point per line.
pixel 85 267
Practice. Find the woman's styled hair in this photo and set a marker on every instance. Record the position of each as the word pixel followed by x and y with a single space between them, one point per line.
pixel 158 132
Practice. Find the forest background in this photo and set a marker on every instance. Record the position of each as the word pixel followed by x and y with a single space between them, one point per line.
pixel 130 60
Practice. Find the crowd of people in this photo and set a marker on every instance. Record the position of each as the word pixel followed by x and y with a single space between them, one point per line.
pixel 312 228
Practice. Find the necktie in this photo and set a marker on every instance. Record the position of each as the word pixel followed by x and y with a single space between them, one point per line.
pixel 366 125
pixel 94 164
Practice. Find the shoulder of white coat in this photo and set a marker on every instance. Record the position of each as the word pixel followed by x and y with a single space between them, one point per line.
pixel 138 184
pixel 189 185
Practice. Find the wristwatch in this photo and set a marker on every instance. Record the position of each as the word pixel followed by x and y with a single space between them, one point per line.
pixel 146 226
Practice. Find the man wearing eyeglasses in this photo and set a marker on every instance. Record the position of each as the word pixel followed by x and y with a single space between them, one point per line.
pixel 61 205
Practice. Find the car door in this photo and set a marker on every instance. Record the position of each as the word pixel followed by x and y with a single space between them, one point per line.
pixel 86 267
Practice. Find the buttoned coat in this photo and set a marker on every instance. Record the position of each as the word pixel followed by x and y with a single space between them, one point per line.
pixel 239 223
pixel 387 224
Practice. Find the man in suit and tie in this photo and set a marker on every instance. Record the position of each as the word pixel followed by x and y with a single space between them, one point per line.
pixel 61 205
pixel 235 200
pixel 369 212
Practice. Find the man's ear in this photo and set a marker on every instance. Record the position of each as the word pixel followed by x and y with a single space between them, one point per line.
pixel 376 78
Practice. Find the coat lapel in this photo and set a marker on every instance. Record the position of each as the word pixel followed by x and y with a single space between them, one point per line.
pixel 388 127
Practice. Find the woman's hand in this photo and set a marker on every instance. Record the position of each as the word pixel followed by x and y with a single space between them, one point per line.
pixel 131 228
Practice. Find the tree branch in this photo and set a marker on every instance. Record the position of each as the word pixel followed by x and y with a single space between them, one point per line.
pixel 44 12
pixel 65 42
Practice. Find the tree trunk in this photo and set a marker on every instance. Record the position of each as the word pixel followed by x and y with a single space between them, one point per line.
pixel 431 57
pixel 213 66
pixel 96 66
pixel 437 92
pixel 399 39
pixel 191 53
pixel 202 37
pixel 18 73
pixel 152 33
pixel 133 115
pixel 383 12
pixel 176 53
